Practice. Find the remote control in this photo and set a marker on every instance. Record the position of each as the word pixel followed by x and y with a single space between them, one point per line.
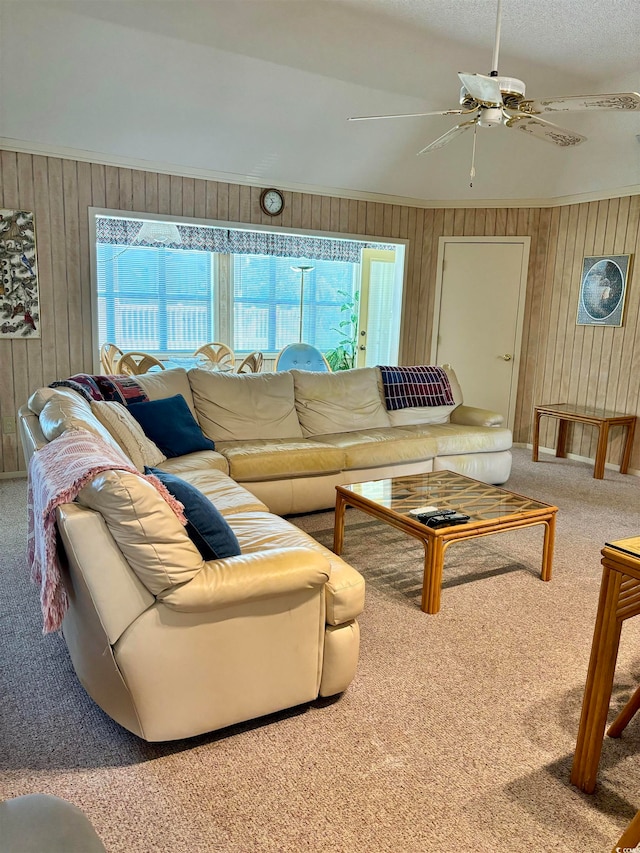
pixel 445 520
pixel 424 512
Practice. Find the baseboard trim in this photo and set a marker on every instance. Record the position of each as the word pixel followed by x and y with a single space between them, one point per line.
pixel 13 475
pixel 550 451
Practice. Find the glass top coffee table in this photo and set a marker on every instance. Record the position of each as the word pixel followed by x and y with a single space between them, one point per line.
pixel 490 510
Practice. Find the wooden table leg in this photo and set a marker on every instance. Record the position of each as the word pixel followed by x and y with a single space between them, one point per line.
pixel 597 693
pixel 630 837
pixel 432 578
pixel 626 456
pixel 561 446
pixel 338 524
pixel 601 451
pixel 547 548
pixel 625 716
pixel 536 435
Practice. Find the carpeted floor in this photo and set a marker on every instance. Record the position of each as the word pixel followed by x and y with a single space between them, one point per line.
pixel 457 733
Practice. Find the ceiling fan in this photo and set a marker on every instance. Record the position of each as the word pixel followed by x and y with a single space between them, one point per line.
pixel 491 100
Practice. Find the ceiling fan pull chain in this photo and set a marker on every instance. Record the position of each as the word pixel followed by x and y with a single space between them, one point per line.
pixel 472 174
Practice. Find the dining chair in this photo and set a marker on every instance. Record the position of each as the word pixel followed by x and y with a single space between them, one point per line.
pixel 217 353
pixel 252 363
pixel 110 355
pixel 134 363
pixel 301 357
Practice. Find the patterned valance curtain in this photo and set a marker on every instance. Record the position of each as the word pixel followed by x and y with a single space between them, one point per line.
pixel 124 232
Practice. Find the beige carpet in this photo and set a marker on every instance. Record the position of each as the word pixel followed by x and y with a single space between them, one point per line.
pixel 457 733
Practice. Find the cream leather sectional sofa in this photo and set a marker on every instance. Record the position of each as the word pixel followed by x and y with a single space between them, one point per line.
pixel 171 645
pixel 291 437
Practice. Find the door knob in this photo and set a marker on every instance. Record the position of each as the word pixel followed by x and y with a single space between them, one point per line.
pixel 362 347
pixel 506 357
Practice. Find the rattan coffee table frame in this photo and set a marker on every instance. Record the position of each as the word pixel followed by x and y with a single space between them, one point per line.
pixel 450 492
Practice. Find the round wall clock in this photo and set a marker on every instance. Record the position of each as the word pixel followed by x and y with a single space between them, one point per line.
pixel 271 201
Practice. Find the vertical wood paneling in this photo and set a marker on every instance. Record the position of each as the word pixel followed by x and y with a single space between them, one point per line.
pixel 45 275
pixel 559 360
pixel 85 201
pixel 72 261
pixel 33 349
pixel 59 268
pixel 9 444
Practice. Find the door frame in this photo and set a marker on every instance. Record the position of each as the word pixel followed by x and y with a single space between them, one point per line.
pixel 525 241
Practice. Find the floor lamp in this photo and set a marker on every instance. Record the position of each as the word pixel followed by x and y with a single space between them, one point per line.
pixel 302 269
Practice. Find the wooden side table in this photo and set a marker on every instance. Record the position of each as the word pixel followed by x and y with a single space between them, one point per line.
pixel 567 412
pixel 619 600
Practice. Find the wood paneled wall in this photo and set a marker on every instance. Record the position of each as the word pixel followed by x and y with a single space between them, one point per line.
pixel 560 361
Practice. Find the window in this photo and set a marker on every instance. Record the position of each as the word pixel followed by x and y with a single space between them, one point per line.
pixel 156 300
pixel 267 301
pixel 169 288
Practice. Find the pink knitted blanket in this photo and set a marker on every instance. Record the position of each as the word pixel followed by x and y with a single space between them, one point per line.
pixel 56 474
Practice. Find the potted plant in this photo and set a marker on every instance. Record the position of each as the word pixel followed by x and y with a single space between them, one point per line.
pixel 343 355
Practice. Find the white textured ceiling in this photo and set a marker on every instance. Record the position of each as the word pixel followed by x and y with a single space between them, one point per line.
pixel 259 90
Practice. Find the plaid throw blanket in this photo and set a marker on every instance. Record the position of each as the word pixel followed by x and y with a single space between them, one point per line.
pixel 121 389
pixel 422 385
pixel 56 475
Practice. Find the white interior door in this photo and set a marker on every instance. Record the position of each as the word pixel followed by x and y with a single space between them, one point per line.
pixel 480 294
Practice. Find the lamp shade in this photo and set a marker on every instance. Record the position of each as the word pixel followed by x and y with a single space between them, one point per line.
pixel 164 233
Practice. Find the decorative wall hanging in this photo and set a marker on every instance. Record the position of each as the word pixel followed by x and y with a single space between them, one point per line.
pixel 603 289
pixel 19 306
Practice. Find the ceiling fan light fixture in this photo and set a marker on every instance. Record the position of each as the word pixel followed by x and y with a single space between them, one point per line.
pixel 490 117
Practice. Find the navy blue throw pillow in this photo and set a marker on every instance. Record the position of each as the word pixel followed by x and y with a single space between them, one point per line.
pixel 170 424
pixel 206 526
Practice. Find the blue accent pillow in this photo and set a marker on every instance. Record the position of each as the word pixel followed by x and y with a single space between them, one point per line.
pixel 206 526
pixel 170 424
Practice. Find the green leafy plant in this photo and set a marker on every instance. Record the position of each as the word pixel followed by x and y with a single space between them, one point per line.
pixel 343 355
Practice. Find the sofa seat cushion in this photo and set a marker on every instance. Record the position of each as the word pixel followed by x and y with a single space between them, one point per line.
pixel 274 459
pixel 244 406
pixel 344 401
pixel 207 460
pixel 452 439
pixel 261 532
pixel 227 495
pixel 145 528
pixel 385 446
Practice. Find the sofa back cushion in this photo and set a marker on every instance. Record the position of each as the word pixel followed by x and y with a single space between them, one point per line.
pixel 167 383
pixel 245 405
pixel 343 401
pixel 145 528
pixel 428 414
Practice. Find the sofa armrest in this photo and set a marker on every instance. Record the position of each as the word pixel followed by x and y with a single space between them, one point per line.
pixel 344 593
pixel 472 416
pixel 249 577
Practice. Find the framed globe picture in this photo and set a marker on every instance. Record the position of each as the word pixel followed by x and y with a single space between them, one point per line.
pixel 603 289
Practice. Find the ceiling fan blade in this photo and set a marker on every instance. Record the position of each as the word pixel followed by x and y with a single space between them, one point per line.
pixel 485 90
pixel 448 136
pixel 414 115
pixel 542 129
pixel 617 101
